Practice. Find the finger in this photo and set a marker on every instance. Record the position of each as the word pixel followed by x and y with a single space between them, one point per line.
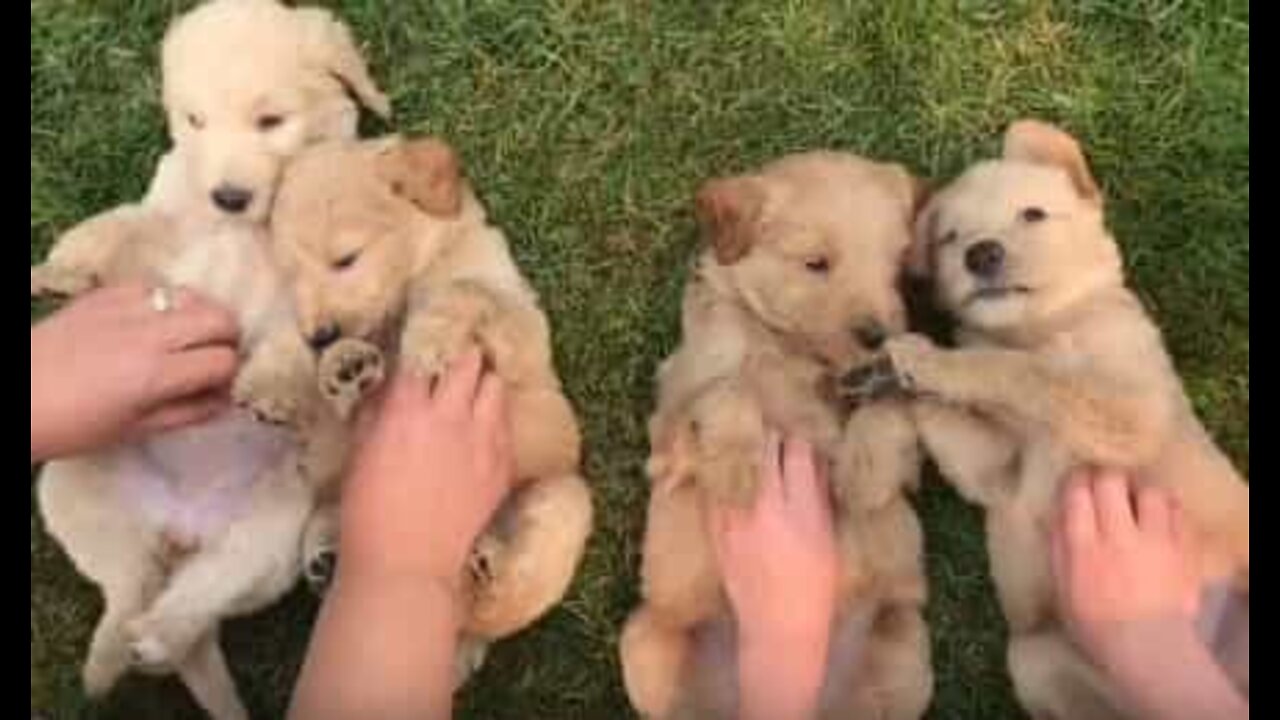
pixel 1155 511
pixel 192 372
pixel 797 466
pixel 1077 518
pixel 492 425
pixel 771 480
pixel 457 389
pixel 1112 503
pixel 193 321
pixel 809 493
pixel 184 412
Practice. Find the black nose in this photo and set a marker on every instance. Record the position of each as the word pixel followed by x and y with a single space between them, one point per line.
pixel 232 199
pixel 871 334
pixel 985 259
pixel 323 337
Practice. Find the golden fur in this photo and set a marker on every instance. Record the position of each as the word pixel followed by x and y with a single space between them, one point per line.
pixel 799 284
pixel 1058 366
pixel 389 253
pixel 195 525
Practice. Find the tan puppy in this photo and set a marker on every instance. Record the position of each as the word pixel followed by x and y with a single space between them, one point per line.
pixel 389 252
pixel 1058 367
pixel 192 526
pixel 799 284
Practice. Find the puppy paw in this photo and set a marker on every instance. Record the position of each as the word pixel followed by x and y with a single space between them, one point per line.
pixel 468 658
pixel 266 397
pixel 103 668
pixel 892 374
pixel 731 474
pixel 318 569
pixel 484 563
pixel 160 641
pixel 349 370
pixel 56 282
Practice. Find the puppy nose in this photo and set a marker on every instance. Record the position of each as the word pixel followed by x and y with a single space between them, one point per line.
pixel 871 334
pixel 323 337
pixel 985 259
pixel 231 199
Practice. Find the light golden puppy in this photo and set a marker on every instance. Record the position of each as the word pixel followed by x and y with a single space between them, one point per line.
pixel 1058 367
pixel 389 254
pixel 195 525
pixel 798 286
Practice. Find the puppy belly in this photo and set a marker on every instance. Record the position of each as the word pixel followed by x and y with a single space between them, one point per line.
pixel 191 483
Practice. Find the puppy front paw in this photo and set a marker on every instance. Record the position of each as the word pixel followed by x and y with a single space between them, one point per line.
pixel 893 373
pixel 58 282
pixel 348 371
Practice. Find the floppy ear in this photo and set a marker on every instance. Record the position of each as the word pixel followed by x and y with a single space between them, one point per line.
pixel 728 210
pixel 329 44
pixel 915 260
pixel 425 172
pixel 1043 144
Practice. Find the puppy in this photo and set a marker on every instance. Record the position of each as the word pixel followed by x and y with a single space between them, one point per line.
pixel 191 526
pixel 798 286
pixel 389 254
pixel 1058 367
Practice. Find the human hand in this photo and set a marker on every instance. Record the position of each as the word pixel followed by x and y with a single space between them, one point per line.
pixel 432 467
pixel 778 556
pixel 1124 569
pixel 109 367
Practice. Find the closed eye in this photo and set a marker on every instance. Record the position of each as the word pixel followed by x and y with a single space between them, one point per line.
pixel 818 265
pixel 346 261
pixel 948 239
pixel 269 122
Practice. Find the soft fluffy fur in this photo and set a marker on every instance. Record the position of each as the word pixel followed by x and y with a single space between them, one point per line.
pixel 389 253
pixel 799 285
pixel 195 525
pixel 1058 366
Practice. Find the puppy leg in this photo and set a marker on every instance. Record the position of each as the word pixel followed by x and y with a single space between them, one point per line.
pixel 442 322
pixel 524 563
pixel 86 514
pixel 204 672
pixel 654 656
pixel 887 547
pixel 878 456
pixel 1099 418
pixel 972 453
pixel 252 563
pixel 678 572
pixel 726 425
pixel 894 681
pixel 544 432
pixel 106 247
pixel 1054 682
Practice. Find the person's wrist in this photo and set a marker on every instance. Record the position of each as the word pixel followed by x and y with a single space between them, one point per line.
pixel 1122 647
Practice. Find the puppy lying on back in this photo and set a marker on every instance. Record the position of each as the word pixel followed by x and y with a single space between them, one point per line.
pixel 1058 367
pixel 191 526
pixel 390 257
pixel 799 285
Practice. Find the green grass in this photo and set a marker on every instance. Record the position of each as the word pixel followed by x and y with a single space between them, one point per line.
pixel 587 125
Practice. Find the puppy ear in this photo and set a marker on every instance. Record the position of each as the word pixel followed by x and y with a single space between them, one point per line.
pixel 914 193
pixel 1043 144
pixel 328 43
pixel 728 210
pixel 425 172
pixel 915 259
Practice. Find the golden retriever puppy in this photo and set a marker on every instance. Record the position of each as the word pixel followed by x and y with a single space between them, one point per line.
pixel 389 253
pixel 1058 367
pixel 191 526
pixel 797 287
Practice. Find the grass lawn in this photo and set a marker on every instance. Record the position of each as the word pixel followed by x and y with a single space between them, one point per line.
pixel 586 125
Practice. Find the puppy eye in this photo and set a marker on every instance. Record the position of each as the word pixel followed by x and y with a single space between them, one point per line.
pixel 818 265
pixel 948 238
pixel 1033 214
pixel 346 261
pixel 269 122
pixel 195 121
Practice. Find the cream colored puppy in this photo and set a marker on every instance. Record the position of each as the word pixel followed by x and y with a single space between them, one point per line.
pixel 192 526
pixel 1058 367
pixel 798 286
pixel 390 254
